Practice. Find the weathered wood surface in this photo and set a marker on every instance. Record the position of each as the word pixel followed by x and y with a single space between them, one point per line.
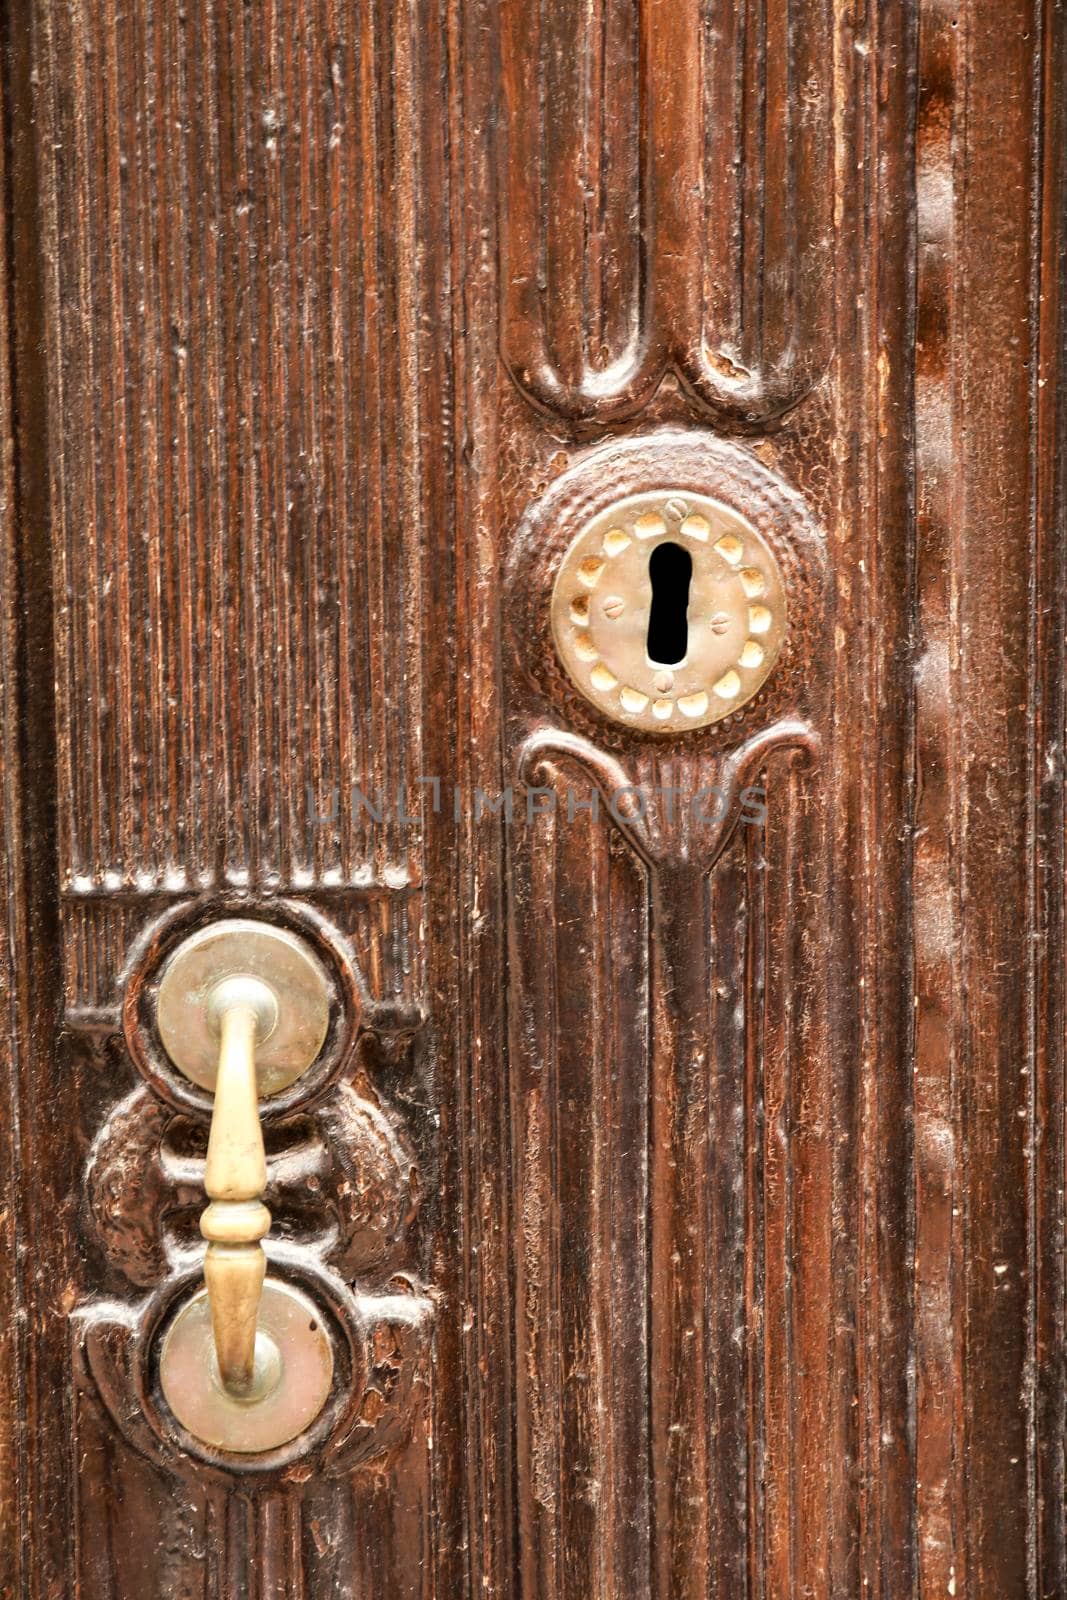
pixel 13 1464
pixel 308 302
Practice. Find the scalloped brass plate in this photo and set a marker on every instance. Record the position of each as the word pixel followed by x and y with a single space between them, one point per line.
pixel 735 622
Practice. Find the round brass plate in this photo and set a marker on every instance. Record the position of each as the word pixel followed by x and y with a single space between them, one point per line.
pixel 189 1374
pixel 243 947
pixel 735 621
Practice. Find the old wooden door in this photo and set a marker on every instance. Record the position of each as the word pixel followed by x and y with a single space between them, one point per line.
pixel 557 504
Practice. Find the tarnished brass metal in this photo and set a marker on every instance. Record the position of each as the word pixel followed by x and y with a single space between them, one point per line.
pixel 243 947
pixel 733 620
pixel 293 1354
pixel 235 1178
pixel 262 999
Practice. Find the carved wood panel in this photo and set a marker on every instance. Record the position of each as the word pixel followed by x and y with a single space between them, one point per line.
pixel 666 204
pixel 237 563
pixel 688 1201
pixel 686 1061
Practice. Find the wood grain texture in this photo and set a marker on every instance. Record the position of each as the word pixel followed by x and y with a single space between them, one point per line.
pixel 787 1124
pixel 742 1190
pixel 1049 657
pixel 236 323
pixel 35 1539
pixel 13 1357
pixel 989 867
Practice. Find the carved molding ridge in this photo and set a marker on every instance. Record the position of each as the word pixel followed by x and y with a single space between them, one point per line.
pixel 652 219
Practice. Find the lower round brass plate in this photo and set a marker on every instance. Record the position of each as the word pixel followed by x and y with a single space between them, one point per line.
pixel 189 1374
pixel 242 946
pixel 730 620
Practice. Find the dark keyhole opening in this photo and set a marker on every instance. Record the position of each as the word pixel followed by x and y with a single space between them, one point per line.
pixel 670 570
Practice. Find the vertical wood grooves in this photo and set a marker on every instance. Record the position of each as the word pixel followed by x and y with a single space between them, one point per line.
pixel 472 863
pixel 13 1431
pixel 1050 571
pixel 780 1209
pixel 247 283
pixel 306 301
pixel 732 1428
pixel 825 1413
pixel 874 1094
pixel 990 1051
pixel 15 1451
pixel 187 287
pixel 755 1128
pixel 678 1396
pixel 701 1359
pixel 1034 629
pixel 579 1109
pixel 936 953
pixel 35 1400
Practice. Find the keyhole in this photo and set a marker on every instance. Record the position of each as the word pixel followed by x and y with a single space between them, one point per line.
pixel 670 571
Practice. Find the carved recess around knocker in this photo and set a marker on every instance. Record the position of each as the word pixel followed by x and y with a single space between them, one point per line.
pixel 342 1183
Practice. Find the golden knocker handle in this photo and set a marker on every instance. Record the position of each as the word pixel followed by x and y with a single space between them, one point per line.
pixel 243 1011
pixel 235 1177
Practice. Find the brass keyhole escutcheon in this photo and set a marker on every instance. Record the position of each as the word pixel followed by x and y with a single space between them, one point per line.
pixel 681 575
